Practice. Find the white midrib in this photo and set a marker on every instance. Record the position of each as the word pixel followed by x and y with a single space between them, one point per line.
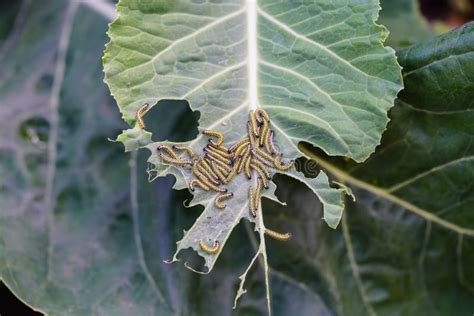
pixel 252 53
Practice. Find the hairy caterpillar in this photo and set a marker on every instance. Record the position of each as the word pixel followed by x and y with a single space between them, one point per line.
pixel 169 150
pixel 276 235
pixel 195 182
pixel 207 167
pixel 218 135
pixel 261 175
pixel 205 180
pixel 273 149
pixel 207 174
pixel 210 250
pixel 220 197
pixel 177 162
pixel 253 124
pixel 252 207
pixel 187 149
pixel 222 150
pixel 220 172
pixel 262 114
pixel 262 167
pixel 238 144
pixel 139 115
pixel 221 164
pixel 282 167
pixel 215 155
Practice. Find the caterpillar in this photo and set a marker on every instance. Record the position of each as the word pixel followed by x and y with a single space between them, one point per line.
pixel 261 175
pixel 253 123
pixel 253 141
pixel 139 115
pixel 252 207
pixel 248 172
pixel 220 149
pixel 220 197
pixel 169 150
pixel 273 149
pixel 220 173
pixel 217 156
pixel 210 250
pixel 206 181
pixel 195 182
pixel 238 144
pixel 282 167
pixel 218 135
pixel 258 194
pixel 263 133
pixel 266 141
pixel 261 159
pixel 207 174
pixel 187 149
pixel 262 167
pixel 262 114
pixel 177 162
pixel 276 235
pixel 240 151
pixel 243 160
pixel 219 163
pixel 232 173
pixel 207 167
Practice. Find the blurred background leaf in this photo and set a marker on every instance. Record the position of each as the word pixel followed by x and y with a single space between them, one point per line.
pixel 82 232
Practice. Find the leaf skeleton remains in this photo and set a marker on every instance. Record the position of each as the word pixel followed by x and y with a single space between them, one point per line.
pixel 218 165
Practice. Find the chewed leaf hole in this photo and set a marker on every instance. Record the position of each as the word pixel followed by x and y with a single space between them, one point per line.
pixel 172 120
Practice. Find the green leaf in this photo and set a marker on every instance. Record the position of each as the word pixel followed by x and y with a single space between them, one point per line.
pixel 319 69
pixel 404 21
pixel 67 238
pixel 410 236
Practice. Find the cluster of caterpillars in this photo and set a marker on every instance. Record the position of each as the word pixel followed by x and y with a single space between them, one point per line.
pixel 253 155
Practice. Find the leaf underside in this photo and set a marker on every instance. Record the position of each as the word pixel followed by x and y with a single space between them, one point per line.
pixel 318 68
